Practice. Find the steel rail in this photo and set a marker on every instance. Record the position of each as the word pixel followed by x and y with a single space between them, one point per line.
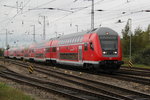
pixel 134 72
pixel 119 76
pixel 90 86
pixel 90 83
pixel 136 68
pixel 70 92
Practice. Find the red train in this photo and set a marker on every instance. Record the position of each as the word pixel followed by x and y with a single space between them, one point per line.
pixel 99 48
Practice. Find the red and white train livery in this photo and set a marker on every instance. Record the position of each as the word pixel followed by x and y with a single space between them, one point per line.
pixel 99 48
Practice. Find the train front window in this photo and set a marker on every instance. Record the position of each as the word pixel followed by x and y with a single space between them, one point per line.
pixel 109 44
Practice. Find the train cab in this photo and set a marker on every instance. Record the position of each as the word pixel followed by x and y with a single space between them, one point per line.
pixel 110 51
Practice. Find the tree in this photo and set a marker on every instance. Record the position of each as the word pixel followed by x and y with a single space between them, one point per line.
pixel 137 40
pixel 140 44
pixel 126 40
pixel 125 31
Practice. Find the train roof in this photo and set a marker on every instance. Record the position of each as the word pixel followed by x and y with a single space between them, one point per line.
pixel 104 30
pixel 43 44
pixel 73 35
pixel 99 31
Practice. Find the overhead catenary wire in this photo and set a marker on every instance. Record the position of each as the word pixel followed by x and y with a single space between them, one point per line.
pixel 17 13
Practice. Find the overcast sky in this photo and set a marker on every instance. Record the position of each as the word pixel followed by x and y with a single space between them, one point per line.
pixel 18 17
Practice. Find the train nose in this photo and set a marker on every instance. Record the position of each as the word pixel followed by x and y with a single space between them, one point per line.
pixel 110 58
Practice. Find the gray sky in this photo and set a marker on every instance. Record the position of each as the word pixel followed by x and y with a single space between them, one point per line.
pixel 65 18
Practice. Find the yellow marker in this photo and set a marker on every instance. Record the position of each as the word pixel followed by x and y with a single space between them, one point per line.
pixel 30 69
pixel 130 64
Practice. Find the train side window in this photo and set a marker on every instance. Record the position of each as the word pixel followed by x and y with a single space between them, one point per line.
pixel 47 49
pixel 32 50
pixel 81 39
pixel 76 39
pixel 64 41
pixel 85 46
pixel 60 42
pixel 73 40
pixel 54 49
pixel 69 41
pixel 91 46
pixel 50 49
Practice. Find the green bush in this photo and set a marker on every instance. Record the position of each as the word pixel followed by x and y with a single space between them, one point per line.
pixel 140 40
pixel 142 57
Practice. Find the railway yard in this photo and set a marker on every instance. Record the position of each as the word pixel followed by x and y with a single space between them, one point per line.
pixel 75 50
pixel 65 82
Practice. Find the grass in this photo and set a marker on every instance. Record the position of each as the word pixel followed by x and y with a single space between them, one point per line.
pixel 8 93
pixel 126 60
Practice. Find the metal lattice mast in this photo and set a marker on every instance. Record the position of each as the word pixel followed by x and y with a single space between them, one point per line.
pixel 92 15
pixel 130 33
pixel 44 35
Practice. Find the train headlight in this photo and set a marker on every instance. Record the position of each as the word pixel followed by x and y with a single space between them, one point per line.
pixel 115 52
pixel 104 52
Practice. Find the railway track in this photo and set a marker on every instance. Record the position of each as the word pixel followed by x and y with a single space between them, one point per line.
pixel 133 71
pixel 99 87
pixel 136 68
pixel 70 92
pixel 132 76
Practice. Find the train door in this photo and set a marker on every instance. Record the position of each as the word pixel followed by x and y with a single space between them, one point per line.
pixel 80 53
pixel 58 53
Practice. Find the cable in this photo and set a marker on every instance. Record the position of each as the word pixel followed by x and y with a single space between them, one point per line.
pixel 18 12
pixel 43 4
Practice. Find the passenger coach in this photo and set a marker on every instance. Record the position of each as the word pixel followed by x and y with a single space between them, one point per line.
pixel 98 48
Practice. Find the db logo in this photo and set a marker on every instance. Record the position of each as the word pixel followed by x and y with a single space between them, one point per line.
pixel 110 58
